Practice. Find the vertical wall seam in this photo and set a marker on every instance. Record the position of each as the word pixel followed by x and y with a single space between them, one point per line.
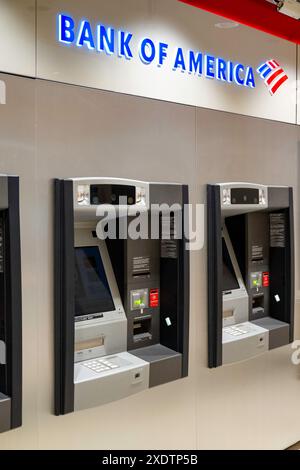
pixel 37 231
pixel 195 186
pixel 36 37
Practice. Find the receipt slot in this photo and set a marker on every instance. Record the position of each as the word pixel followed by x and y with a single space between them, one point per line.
pixel 250 270
pixel 121 302
pixel 10 308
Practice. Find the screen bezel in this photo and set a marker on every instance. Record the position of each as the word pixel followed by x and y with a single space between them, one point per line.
pixel 234 262
pixel 87 240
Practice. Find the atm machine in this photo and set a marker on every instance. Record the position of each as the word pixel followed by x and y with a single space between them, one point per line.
pixel 10 306
pixel 250 270
pixel 121 303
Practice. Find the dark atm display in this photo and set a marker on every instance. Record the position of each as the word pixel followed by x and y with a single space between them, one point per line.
pixel 111 194
pixel 244 196
pixel 92 292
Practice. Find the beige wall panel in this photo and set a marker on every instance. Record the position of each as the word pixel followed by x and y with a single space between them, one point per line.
pixel 251 404
pixel 82 132
pixel 178 25
pixel 17 37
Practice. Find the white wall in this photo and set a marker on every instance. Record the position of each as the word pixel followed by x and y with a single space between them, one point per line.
pixel 29 46
pixel 178 25
pixel 17 37
pixel 42 135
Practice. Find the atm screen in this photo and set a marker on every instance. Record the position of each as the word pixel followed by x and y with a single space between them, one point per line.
pixel 229 279
pixel 92 292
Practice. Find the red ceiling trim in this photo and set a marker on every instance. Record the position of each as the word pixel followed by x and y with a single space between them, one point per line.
pixel 258 14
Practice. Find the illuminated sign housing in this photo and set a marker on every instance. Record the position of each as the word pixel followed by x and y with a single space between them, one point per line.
pixel 109 40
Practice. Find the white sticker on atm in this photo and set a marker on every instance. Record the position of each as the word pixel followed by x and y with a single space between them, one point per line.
pixel 277 298
pixel 2 92
pixel 168 321
pixel 2 353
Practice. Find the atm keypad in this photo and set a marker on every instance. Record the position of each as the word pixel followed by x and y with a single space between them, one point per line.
pixel 235 331
pixel 100 365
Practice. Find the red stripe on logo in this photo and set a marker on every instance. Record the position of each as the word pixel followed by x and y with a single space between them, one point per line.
pixel 272 64
pixel 278 84
pixel 273 76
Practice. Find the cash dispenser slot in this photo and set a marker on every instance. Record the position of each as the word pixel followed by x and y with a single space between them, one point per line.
pixel 122 304
pixel 258 302
pixel 250 270
pixel 142 329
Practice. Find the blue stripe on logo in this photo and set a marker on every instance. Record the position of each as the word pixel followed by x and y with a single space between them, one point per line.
pixel 262 67
pixel 266 72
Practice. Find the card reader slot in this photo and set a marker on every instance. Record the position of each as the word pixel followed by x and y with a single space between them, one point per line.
pixel 143 274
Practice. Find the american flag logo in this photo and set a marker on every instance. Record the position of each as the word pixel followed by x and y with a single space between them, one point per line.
pixel 273 75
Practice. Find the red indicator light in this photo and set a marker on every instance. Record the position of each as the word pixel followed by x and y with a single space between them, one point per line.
pixel 266 279
pixel 154 298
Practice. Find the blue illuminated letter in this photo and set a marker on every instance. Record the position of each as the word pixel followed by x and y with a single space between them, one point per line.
pixel 179 61
pixel 147 51
pixel 85 35
pixel 221 69
pixel 195 65
pixel 230 72
pixel 66 29
pixel 105 39
pixel 250 80
pixel 124 47
pixel 238 68
pixel 162 53
pixel 210 62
